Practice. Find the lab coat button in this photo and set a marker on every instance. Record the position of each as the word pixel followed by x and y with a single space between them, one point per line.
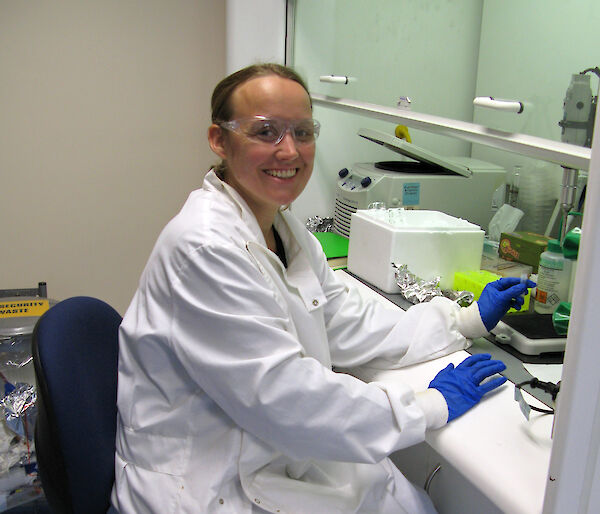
pixel 315 302
pixel 221 501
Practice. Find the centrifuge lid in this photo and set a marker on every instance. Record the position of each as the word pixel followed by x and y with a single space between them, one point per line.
pixel 414 152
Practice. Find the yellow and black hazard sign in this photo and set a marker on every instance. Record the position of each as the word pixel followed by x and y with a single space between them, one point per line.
pixel 22 308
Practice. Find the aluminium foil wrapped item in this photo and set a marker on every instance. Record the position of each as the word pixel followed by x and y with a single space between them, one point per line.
pixel 319 224
pixel 462 298
pixel 20 410
pixel 18 467
pixel 416 290
pixel 15 352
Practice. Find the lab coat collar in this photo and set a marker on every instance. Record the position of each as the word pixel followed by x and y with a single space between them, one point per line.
pixel 299 274
pixel 212 182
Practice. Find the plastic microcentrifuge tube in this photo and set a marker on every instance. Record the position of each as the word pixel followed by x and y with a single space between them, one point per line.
pixel 379 211
pixel 514 187
pixel 524 281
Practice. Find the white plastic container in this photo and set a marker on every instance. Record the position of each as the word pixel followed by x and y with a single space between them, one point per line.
pixel 554 279
pixel 431 243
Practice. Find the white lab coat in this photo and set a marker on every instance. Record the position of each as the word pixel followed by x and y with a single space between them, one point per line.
pixel 227 399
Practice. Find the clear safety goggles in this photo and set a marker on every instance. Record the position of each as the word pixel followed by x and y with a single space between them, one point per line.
pixel 272 130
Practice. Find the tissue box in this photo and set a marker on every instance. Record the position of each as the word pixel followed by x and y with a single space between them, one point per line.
pixel 525 247
pixel 431 243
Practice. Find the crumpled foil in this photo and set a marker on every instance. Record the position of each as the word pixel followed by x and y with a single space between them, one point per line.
pixel 462 298
pixel 416 290
pixel 15 351
pixel 20 410
pixel 319 224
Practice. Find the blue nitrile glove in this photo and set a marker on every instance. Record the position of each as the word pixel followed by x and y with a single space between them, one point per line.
pixel 461 386
pixel 499 296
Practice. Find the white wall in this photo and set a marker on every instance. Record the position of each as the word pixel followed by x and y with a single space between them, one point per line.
pixel 104 108
pixel 386 46
pixel 255 32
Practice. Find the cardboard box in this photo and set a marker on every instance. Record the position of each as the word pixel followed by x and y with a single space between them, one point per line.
pixel 524 247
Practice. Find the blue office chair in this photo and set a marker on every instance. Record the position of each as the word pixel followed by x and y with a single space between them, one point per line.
pixel 75 355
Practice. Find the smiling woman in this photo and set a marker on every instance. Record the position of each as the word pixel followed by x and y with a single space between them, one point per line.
pixel 227 398
pixel 267 155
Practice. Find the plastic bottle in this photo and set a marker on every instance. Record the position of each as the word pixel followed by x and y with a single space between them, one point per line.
pixel 554 277
pixel 570 251
pixel 573 263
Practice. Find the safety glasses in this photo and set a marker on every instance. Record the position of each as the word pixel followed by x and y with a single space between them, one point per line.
pixel 272 130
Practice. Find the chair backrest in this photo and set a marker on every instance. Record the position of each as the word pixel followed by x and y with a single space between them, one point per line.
pixel 75 354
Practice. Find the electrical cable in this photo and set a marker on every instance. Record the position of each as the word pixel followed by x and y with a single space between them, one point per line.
pixel 551 388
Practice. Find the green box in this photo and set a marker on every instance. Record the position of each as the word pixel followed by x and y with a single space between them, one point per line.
pixel 333 244
pixel 522 246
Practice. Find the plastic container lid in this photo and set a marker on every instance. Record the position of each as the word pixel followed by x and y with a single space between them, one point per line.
pixel 420 220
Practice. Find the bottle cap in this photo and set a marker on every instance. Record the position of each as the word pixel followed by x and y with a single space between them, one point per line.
pixel 554 246
pixel 571 243
pixel 561 317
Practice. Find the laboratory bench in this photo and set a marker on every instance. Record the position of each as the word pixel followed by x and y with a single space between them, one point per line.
pixel 491 459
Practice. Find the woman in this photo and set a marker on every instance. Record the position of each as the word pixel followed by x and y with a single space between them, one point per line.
pixel 227 398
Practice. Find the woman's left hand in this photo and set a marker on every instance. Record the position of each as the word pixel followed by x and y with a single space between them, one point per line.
pixel 499 296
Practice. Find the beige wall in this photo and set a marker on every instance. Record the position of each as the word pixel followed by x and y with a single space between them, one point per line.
pixel 104 107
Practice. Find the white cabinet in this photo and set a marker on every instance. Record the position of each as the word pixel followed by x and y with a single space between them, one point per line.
pixel 450 491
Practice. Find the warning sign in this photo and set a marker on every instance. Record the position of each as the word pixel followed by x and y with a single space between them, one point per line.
pixel 22 308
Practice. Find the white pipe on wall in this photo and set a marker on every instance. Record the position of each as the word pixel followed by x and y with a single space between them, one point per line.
pixel 565 154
